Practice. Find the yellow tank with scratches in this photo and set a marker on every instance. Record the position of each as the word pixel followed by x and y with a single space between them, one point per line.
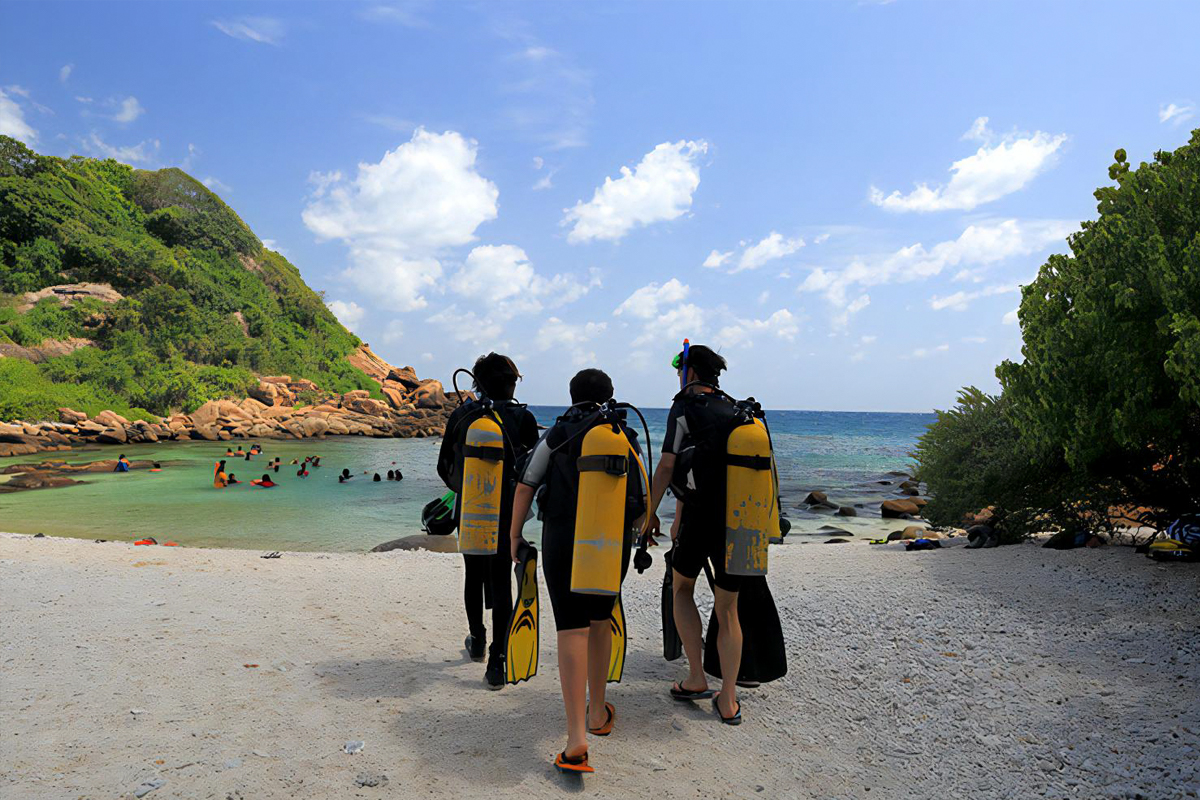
pixel 751 505
pixel 482 486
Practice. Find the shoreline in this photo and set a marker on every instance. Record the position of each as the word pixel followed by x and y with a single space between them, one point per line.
pixel 911 675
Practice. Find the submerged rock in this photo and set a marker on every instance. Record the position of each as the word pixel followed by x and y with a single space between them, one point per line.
pixel 420 541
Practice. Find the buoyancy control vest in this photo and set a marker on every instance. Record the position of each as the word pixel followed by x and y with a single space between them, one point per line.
pixel 726 465
pixel 595 488
pixel 485 469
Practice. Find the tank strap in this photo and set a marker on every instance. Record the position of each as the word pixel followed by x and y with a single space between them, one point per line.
pixel 749 462
pixel 613 465
pixel 485 453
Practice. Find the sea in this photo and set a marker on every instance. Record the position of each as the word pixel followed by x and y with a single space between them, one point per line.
pixel 851 456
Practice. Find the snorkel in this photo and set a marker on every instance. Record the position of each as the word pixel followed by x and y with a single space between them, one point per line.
pixel 683 377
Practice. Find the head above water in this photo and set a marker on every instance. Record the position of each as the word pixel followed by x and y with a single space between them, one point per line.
pixel 703 364
pixel 591 386
pixel 496 376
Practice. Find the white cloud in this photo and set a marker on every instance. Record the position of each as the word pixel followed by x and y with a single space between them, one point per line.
pixel 979 131
pixel 991 173
pixel 130 154
pixel 545 182
pixel 974 340
pixel 552 96
pixel 1175 113
pixel 980 244
pixel 64 73
pixel 406 14
pixel 467 326
pixel 349 314
pixel 396 216
pixel 394 332
pixel 12 121
pixel 658 189
pixel 687 320
pixel 538 162
pixel 128 110
pixel 858 304
pixel 271 244
pixel 868 339
pixel 783 324
pixel 216 185
pixel 84 100
pixel 571 337
pixel 502 276
pixel 1010 318
pixel 716 259
pixel 959 301
pixel 263 30
pixel 772 247
pixel 647 302
pixel 923 352
pixel 821 238
pixel 321 181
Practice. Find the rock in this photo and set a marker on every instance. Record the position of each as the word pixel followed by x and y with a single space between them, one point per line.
pixel 405 376
pixel 70 416
pixel 365 779
pixel 909 485
pixel 420 541
pixel 38 480
pixel 114 435
pixel 148 787
pixel 394 397
pixel 430 394
pixel 366 405
pixel 266 393
pixel 816 498
pixel 837 541
pixel 69 293
pixel 847 511
pixel 356 394
pixel 911 491
pixel 892 509
pixel 353 747
pixel 110 419
pixel 368 362
pixel 206 415
pixel 915 532
pixel 894 536
pixel 47 349
pixel 829 530
pixel 884 483
pixel 7 450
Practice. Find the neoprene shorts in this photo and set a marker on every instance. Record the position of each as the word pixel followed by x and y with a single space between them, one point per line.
pixel 698 543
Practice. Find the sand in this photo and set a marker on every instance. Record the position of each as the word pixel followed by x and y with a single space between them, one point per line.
pixel 1016 672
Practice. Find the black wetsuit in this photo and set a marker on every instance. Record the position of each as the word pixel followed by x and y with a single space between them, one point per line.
pixel 552 464
pixel 495 571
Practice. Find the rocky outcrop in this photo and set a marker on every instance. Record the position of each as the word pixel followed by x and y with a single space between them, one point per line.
pixel 899 509
pixel 70 293
pixel 49 348
pixel 437 544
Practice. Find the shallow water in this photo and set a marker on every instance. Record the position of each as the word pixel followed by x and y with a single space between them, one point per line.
pixel 841 453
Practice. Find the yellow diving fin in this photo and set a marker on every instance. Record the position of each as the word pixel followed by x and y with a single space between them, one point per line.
pixel 521 653
pixel 616 662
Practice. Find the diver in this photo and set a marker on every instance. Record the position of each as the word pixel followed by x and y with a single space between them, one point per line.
pixel 583 579
pixel 488 570
pixel 699 424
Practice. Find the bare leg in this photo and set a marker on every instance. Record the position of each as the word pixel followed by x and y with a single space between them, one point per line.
pixel 572 674
pixel 687 622
pixel 729 648
pixel 599 654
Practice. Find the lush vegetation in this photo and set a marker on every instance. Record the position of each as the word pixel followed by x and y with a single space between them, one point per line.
pixel 1104 409
pixel 206 308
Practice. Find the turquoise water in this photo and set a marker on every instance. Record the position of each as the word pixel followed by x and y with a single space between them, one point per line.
pixel 841 453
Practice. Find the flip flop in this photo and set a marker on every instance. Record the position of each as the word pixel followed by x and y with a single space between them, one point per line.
pixel 576 764
pixel 736 719
pixel 680 693
pixel 606 728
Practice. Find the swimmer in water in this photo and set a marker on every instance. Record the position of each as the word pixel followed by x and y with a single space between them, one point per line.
pixel 232 479
pixel 376 478
pixel 157 467
pixel 220 479
pixel 302 472
pixel 265 482
pixel 346 475
pixel 391 476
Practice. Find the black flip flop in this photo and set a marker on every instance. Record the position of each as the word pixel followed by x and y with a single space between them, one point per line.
pixel 682 694
pixel 736 719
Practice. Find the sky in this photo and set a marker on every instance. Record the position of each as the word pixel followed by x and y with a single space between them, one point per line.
pixel 842 197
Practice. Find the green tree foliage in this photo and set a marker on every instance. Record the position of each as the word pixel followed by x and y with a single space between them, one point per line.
pixel 1104 409
pixel 206 307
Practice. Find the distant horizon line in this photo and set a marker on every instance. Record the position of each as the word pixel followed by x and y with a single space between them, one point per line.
pixel 800 410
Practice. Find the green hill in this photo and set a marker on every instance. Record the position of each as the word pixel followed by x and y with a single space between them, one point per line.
pixel 203 306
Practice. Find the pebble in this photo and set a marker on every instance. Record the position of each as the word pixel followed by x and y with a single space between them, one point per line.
pixel 233 763
pixel 148 787
pixel 365 779
pixel 353 747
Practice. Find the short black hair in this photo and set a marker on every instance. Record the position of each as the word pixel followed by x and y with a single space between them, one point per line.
pixel 495 376
pixel 591 386
pixel 703 364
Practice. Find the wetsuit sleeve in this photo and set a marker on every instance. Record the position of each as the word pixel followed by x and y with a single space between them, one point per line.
pixel 677 429
pixel 537 466
pixel 445 463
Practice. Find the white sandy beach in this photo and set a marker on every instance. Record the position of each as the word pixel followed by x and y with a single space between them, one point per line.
pixel 1009 673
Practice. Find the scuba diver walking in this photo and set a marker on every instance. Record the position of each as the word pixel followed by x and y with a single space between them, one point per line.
pixel 590 482
pixel 717 460
pixel 486 441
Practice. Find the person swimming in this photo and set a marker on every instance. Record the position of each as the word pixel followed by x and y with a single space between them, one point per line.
pixel 239 451
pixel 265 482
pixel 229 451
pixel 399 475
pixel 157 467
pixel 391 476
pixel 277 466
pixel 231 480
pixel 302 472
pixel 341 478
pixel 122 464
pixel 220 479
pixel 376 479
pixel 316 462
pixel 295 461
pixel 346 474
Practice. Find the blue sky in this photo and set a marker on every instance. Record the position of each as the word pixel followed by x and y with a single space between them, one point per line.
pixel 868 183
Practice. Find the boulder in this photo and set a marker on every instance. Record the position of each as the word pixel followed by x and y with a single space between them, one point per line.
pixel 847 511
pixel 892 509
pixel 911 491
pixel 206 415
pixel 252 407
pixel 919 502
pixel 71 416
pixel 405 376
pixel 303 385
pixel 365 360
pixel 69 293
pixel 114 435
pixel 38 480
pixel 816 498
pixel 268 394
pixel 837 541
pixel 437 544
pixel 20 438
pixel 356 394
pixel 8 449
pixel 283 380
pixel 367 405
pixel 909 485
pixel 430 394
pixel 914 532
pixel 394 397
pixel 110 419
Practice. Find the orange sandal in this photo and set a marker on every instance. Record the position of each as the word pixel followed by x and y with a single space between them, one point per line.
pixel 606 728
pixel 576 764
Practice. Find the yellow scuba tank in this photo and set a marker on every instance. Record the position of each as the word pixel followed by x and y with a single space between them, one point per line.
pixel 603 464
pixel 482 486
pixel 751 507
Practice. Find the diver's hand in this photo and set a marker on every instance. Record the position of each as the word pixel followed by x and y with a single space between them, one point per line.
pixel 514 546
pixel 651 529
